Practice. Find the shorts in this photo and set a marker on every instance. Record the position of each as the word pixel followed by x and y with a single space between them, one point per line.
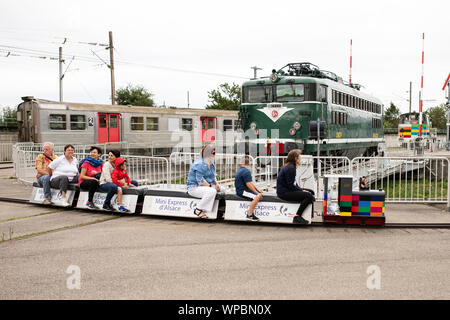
pixel 248 195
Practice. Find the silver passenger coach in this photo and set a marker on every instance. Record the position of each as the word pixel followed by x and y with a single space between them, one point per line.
pixel 79 123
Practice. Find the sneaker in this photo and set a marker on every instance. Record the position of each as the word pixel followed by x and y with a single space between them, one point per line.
pixel 108 207
pixel 91 205
pixel 252 217
pixel 123 209
pixel 299 220
pixel 47 201
pixel 64 203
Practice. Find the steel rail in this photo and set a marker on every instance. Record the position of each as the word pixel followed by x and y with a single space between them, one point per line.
pixel 420 225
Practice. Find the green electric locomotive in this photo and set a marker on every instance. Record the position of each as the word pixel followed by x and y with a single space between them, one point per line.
pixel 283 112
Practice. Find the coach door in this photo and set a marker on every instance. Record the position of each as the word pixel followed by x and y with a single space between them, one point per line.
pixel 108 127
pixel 208 129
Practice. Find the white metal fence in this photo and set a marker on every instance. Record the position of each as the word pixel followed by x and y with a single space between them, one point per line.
pixel 226 167
pixel 146 170
pixel 6 152
pixel 404 179
pixel 407 179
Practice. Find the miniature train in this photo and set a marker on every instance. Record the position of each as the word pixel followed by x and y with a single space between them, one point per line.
pixel 368 209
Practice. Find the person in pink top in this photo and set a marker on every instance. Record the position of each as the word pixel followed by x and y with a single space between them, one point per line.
pixel 91 170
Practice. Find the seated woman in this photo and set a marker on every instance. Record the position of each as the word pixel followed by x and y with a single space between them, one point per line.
pixel 287 188
pixel 64 171
pixel 91 170
pixel 202 182
pixel 107 184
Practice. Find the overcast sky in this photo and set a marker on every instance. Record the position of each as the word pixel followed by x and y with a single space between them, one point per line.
pixel 172 47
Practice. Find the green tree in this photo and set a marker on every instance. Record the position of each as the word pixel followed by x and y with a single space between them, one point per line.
pixel 135 96
pixel 437 116
pixel 8 119
pixel 392 116
pixel 226 97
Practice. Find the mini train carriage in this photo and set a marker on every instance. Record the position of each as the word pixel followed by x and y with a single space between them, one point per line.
pixel 130 197
pixel 176 204
pixel 354 207
pixel 279 113
pixel 77 198
pixel 37 195
pixel 270 209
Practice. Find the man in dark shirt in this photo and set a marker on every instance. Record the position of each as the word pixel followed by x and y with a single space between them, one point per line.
pixel 245 187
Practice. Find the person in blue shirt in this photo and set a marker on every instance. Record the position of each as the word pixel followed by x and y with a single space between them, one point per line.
pixel 202 182
pixel 245 187
pixel 287 188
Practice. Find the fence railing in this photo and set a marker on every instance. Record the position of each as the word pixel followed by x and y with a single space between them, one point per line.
pixel 226 167
pixel 407 179
pixel 404 179
pixel 6 152
pixel 146 170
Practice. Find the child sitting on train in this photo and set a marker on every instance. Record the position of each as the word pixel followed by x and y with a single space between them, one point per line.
pixel 120 176
pixel 107 185
pixel 245 187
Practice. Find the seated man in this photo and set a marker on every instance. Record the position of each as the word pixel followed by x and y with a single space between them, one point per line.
pixel 245 187
pixel 363 184
pixel 43 172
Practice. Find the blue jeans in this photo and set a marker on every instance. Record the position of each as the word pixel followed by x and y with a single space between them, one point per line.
pixel 135 183
pixel 110 188
pixel 44 182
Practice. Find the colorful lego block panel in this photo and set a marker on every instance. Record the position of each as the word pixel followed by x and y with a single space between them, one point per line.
pixel 363 203
pixel 415 128
pixel 404 130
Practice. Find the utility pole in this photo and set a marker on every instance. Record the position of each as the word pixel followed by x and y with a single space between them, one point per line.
pixel 410 99
pixel 111 64
pixel 255 68
pixel 60 75
pixel 188 98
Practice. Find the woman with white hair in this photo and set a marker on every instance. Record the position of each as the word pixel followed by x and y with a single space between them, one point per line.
pixel 202 181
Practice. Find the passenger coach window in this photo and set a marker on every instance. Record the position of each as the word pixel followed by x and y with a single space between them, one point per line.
pixel 57 122
pixel 227 125
pixel 152 124
pixel 77 122
pixel 137 123
pixel 290 92
pixel 186 124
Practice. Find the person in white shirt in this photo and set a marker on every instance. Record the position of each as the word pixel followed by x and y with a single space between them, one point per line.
pixel 64 171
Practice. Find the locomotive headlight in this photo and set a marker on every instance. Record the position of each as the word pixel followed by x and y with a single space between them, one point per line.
pixel 253 126
pixel 297 125
pixel 292 132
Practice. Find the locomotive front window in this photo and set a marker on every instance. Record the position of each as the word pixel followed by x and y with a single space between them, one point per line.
pixel 57 122
pixel 137 123
pixel 77 122
pixel 260 94
pixel 291 92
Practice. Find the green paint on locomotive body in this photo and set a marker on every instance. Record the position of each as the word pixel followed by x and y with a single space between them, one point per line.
pixel 359 128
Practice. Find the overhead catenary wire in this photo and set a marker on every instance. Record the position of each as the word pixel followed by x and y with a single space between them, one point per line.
pixel 50 55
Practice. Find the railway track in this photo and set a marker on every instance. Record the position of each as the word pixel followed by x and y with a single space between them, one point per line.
pixel 314 224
